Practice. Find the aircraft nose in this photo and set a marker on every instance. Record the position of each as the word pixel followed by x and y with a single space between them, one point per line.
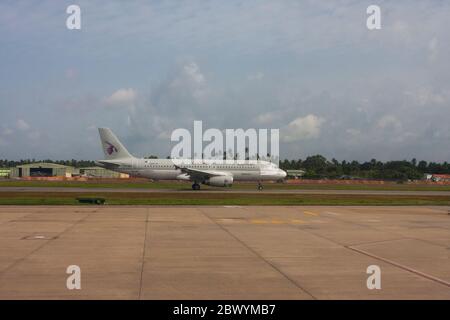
pixel 282 173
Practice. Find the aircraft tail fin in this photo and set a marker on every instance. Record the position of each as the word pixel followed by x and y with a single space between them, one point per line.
pixel 112 147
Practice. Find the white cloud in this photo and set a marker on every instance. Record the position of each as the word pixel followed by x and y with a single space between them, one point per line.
pixel 34 135
pixel 122 98
pixel 22 125
pixel 389 121
pixel 176 101
pixel 193 72
pixel 302 128
pixel 256 76
pixel 353 132
pixel 189 81
pixel 164 135
pixel 7 131
pixel 71 73
pixel 433 50
pixel 426 97
pixel 267 118
pixel 401 30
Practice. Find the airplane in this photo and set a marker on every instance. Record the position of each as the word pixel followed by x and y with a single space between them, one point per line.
pixel 208 172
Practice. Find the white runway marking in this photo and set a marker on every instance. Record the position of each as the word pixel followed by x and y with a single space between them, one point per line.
pixel 332 213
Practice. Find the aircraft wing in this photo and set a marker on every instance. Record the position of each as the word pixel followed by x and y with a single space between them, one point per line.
pixel 201 174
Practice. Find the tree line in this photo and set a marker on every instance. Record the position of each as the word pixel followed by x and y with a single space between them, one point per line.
pixel 4 163
pixel 318 166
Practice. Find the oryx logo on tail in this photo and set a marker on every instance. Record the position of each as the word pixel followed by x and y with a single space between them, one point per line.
pixel 111 148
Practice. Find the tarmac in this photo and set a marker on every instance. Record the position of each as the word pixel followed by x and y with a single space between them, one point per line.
pixel 224 252
pixel 224 190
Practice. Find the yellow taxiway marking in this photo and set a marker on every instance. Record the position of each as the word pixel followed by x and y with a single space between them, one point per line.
pixel 274 221
pixel 311 213
pixel 278 221
pixel 258 221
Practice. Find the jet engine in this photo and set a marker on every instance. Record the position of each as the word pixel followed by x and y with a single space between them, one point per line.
pixel 219 181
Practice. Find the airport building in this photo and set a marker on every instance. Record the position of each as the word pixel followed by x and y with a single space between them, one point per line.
pixel 5 172
pixel 43 169
pixel 99 172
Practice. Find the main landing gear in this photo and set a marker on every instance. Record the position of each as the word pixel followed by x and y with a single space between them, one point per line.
pixel 260 186
pixel 195 186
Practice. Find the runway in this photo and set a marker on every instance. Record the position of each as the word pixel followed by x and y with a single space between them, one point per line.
pixel 223 190
pixel 224 252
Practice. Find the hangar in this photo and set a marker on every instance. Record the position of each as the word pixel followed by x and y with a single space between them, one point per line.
pixel 43 169
pixel 99 172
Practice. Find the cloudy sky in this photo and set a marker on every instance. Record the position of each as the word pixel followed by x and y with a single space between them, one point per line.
pixel 144 68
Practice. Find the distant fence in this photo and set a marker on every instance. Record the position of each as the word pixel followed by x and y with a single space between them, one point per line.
pixel 361 181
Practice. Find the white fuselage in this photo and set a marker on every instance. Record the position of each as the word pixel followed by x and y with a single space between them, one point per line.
pixel 168 169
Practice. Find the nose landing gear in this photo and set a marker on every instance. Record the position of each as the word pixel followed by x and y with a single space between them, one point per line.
pixel 260 186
